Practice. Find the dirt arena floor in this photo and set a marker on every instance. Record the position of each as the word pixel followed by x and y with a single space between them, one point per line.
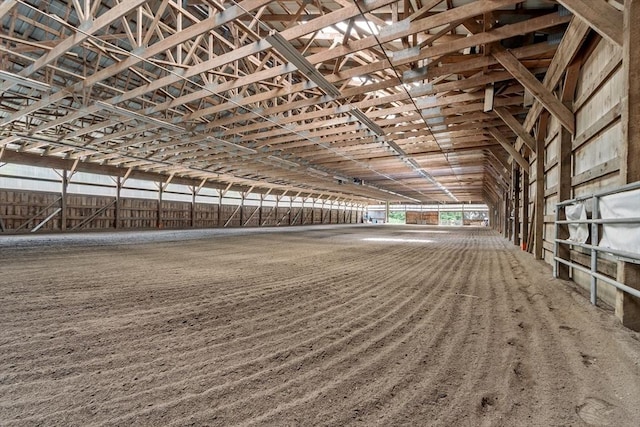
pixel 342 325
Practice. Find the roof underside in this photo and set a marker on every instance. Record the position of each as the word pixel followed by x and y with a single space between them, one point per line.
pixel 367 100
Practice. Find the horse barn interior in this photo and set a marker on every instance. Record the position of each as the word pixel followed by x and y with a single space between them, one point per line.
pixel 198 197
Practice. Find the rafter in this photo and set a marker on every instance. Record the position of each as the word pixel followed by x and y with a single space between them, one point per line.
pixel 537 89
pixel 600 15
pixel 195 91
pixel 516 127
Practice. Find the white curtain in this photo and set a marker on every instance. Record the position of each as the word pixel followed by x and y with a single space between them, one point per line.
pixel 578 233
pixel 624 237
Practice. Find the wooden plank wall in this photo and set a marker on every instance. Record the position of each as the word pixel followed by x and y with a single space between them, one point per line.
pixel 416 217
pixel 595 147
pixel 17 207
pixel 138 214
pixel 23 210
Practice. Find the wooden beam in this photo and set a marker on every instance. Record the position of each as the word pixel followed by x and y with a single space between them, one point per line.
pixel 539 194
pixel 600 15
pixel 571 42
pixel 524 184
pixel 6 6
pixel 489 93
pixel 563 193
pixel 516 127
pixel 433 72
pixel 537 89
pixel 515 192
pixel 104 20
pixel 64 200
pixel 504 142
pixel 390 33
pixel 163 45
pixel 564 155
pixel 501 161
pixel 628 307
pixel 426 7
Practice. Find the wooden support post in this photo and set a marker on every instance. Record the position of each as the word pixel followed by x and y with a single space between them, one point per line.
pixel 262 196
pixel 495 220
pixel 159 214
pixel 564 155
pixel 515 176
pixel 242 196
pixel 539 201
pixel 327 219
pixel 564 193
pixel 501 216
pixel 525 211
pixel 219 221
pixel 117 215
pixel 290 209
pixel 194 193
pixel 489 92
pixel 627 306
pixel 63 200
pixel 386 213
pixel 506 215
pixel 221 194
pixel 492 215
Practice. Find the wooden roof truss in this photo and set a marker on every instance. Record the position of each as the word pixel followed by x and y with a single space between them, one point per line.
pixel 414 100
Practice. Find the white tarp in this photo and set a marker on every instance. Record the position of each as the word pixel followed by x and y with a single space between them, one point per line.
pixel 624 237
pixel 578 233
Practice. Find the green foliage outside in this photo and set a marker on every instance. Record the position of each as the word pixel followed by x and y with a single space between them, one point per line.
pixel 451 218
pixel 397 217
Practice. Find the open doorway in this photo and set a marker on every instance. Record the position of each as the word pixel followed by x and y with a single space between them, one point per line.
pixel 397 217
pixel 453 218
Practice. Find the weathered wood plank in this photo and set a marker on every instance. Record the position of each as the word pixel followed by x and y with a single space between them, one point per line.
pixel 600 15
pixel 537 89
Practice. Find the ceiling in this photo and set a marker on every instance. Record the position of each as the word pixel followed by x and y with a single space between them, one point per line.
pixel 369 100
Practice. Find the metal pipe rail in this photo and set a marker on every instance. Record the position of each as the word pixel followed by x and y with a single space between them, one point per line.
pixel 595 222
pixel 627 187
pixel 621 286
pixel 624 254
pixel 632 220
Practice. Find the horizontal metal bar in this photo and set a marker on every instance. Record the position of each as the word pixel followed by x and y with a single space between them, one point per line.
pixel 629 255
pixel 621 286
pixel 628 187
pixel 601 221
